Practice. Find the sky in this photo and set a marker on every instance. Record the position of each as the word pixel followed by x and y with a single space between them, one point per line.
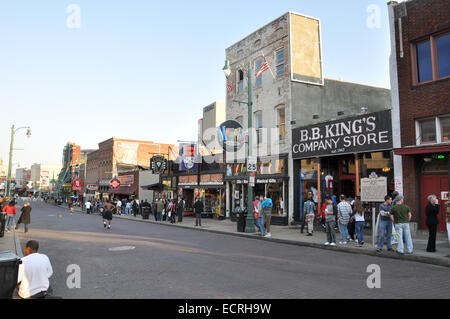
pixel 145 69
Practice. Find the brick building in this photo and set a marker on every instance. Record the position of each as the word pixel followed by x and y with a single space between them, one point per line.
pixel 120 157
pixel 420 80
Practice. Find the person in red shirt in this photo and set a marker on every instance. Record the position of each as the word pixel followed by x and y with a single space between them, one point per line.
pixel 11 212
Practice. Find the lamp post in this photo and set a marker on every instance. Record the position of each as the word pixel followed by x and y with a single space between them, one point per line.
pixel 13 132
pixel 250 221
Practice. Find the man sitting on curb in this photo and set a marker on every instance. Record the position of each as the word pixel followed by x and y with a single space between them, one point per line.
pixel 34 272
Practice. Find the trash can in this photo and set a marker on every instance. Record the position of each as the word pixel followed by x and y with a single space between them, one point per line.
pixel 241 217
pixel 2 224
pixel 145 212
pixel 9 271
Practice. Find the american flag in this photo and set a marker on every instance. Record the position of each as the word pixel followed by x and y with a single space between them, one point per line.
pixel 264 67
pixel 229 86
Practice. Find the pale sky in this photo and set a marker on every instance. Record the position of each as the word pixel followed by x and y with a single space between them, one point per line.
pixel 145 69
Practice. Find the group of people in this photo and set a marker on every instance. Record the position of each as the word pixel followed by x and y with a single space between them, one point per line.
pixel 262 210
pixel 8 207
pixel 394 218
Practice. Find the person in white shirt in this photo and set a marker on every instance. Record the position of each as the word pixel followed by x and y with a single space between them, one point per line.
pixel 88 207
pixel 34 272
pixel 119 207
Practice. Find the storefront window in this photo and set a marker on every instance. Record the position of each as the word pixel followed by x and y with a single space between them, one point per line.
pixel 428 131
pixel 309 179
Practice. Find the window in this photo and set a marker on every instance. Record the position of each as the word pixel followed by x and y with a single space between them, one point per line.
pixel 258 126
pixel 279 58
pixel 445 129
pixel 427 131
pixel 432 59
pixel 240 81
pixel 281 123
pixel 258 65
pixel 443 55
pixel 424 66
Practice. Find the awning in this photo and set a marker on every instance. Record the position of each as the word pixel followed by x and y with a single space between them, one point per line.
pixel 151 187
pixel 125 190
pixel 423 149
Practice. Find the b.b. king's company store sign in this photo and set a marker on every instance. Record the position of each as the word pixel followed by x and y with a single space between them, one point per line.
pixel 363 133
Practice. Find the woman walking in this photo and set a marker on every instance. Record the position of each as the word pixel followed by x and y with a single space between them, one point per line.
pixel 11 212
pixel 25 217
pixel 432 213
pixel 359 221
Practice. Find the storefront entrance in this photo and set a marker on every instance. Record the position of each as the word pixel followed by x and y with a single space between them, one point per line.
pixel 434 185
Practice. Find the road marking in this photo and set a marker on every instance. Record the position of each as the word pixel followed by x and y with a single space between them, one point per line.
pixel 51 215
pixel 122 248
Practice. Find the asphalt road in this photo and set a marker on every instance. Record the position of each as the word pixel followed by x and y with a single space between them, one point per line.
pixel 169 262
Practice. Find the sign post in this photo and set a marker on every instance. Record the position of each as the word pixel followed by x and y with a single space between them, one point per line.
pixel 373 190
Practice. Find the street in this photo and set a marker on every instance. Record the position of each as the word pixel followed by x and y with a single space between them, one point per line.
pixel 141 260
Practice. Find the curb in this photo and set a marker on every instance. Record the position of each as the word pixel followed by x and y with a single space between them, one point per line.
pixel 393 255
pixel 17 245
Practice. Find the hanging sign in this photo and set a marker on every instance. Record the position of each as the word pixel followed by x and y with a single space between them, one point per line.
pixel 158 164
pixel 114 183
pixel 77 184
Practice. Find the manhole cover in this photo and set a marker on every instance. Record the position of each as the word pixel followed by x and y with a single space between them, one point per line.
pixel 122 248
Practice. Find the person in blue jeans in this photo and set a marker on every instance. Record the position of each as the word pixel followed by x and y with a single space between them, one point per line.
pixel 385 230
pixel 344 212
pixel 401 216
pixel 359 221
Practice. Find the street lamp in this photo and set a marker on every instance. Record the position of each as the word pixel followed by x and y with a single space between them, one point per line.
pixel 13 132
pixel 250 221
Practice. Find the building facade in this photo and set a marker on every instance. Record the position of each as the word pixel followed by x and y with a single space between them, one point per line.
pixel 116 156
pixel 420 80
pixel 292 94
pixel 44 176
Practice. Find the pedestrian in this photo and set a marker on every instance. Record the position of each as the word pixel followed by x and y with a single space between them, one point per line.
pixel 432 212
pixel 309 209
pixel 401 216
pixel 447 208
pixel 107 214
pixel 267 206
pixel 11 212
pixel 344 212
pixel 119 207
pixel 308 198
pixel 351 227
pixel 34 273
pixel 385 230
pixel 128 208
pixel 135 207
pixel 71 207
pixel 198 209
pixel 331 212
pixel 180 209
pixel 88 207
pixel 25 217
pixel 159 209
pixel 359 221
pixel 257 212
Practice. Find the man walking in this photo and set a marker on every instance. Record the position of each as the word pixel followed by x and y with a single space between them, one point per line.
pixel 401 216
pixel 34 272
pixel 88 207
pixel 304 223
pixel 107 214
pixel 159 209
pixel 198 208
pixel 385 224
pixel 344 212
pixel 309 209
pixel 331 212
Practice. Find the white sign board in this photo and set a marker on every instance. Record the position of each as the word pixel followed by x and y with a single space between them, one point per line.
pixel 373 189
pixel 252 164
pixel 444 195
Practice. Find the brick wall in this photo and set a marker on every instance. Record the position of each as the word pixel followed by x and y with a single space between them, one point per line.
pixel 424 18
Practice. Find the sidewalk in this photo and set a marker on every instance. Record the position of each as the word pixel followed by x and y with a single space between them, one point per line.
pixel 291 235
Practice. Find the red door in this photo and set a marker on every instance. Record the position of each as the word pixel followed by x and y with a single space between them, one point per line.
pixel 434 185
